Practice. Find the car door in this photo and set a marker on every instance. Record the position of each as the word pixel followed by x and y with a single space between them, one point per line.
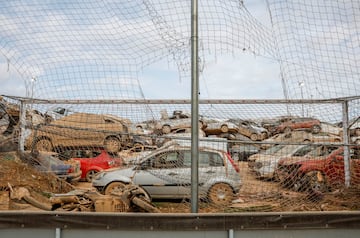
pixel 211 166
pixel 159 173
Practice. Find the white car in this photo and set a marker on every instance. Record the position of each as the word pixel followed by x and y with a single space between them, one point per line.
pixel 166 174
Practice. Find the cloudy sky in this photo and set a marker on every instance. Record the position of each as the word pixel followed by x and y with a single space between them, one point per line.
pixel 240 75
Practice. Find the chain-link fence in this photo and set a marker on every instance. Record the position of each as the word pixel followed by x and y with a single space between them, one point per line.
pixel 254 155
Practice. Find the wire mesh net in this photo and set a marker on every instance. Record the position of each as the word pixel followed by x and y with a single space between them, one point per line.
pixel 78 74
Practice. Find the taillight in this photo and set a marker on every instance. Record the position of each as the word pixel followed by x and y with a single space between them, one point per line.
pixel 236 167
pixel 70 170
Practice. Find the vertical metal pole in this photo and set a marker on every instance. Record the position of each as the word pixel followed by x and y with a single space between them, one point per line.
pixel 22 123
pixel 194 107
pixel 345 109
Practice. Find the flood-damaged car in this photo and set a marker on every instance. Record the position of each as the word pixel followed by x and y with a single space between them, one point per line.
pixel 179 120
pixel 49 162
pixel 166 174
pixel 80 129
pixel 322 173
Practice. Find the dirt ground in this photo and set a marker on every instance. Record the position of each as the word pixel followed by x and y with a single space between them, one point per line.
pixel 255 195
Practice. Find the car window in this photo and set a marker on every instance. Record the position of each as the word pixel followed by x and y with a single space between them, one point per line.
pixel 304 150
pixel 171 159
pixel 206 159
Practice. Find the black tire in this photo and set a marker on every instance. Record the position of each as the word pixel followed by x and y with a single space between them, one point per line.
pixel 315 181
pixel 316 129
pixel 90 175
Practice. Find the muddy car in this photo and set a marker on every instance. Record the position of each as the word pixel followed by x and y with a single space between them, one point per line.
pixel 166 174
pixel 308 124
pixel 218 126
pixel 322 173
pixel 252 130
pixel 179 120
pixel 299 136
pixel 80 129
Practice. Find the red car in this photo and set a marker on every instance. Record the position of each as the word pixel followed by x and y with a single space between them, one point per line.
pixel 321 174
pixel 310 124
pixel 94 161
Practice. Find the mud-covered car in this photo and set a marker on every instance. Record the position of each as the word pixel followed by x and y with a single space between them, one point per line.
pixel 179 120
pixel 80 129
pixel 241 152
pixel 49 162
pixel 287 166
pixel 264 164
pixel 252 130
pixel 302 123
pixel 299 136
pixel 218 126
pixel 323 174
pixel 166 174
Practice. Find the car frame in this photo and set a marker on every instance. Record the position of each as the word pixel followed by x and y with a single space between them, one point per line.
pixel 95 160
pixel 219 179
pixel 301 123
pixel 80 129
pixel 322 174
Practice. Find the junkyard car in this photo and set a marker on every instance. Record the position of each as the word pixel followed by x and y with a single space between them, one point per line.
pixel 241 152
pixel 218 126
pixel 265 164
pixel 299 136
pixel 287 166
pixel 179 120
pixel 309 124
pixel 80 129
pixel 166 174
pixel 251 129
pixel 49 162
pixel 323 174
pixel 94 161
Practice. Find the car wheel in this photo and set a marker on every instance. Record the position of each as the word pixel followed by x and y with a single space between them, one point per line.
pixel 316 129
pixel 43 145
pixel 253 137
pixel 221 194
pixel 315 181
pixel 224 128
pixel 114 187
pixel 264 135
pixel 90 175
pixel 166 129
pixel 112 144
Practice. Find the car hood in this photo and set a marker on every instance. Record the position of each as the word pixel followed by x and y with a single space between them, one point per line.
pixel 296 159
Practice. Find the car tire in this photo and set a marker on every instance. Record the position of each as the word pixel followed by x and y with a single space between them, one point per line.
pixel 316 129
pixel 112 187
pixel 221 194
pixel 254 137
pixel 112 144
pixel 224 128
pixel 43 145
pixel 90 175
pixel 315 181
pixel 166 129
